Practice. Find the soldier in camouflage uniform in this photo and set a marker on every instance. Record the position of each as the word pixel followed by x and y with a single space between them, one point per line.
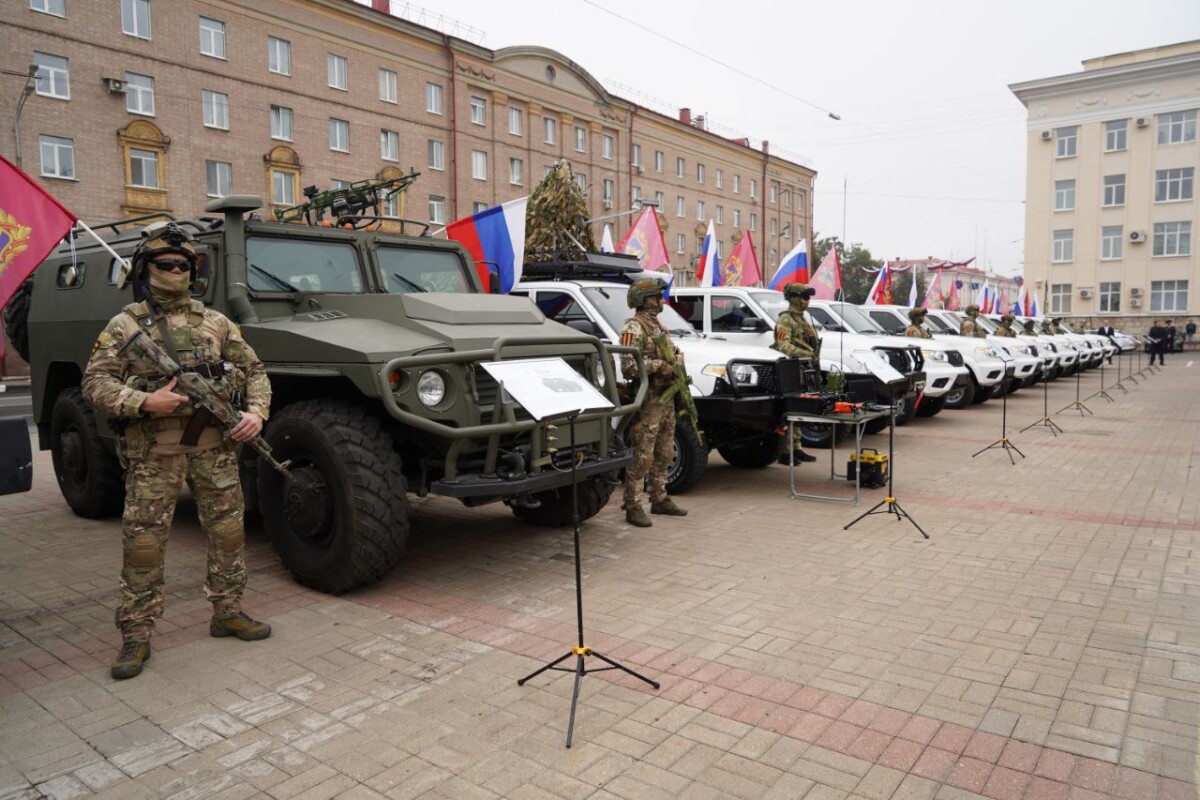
pixel 971 326
pixel 1005 327
pixel 1051 327
pixel 1027 329
pixel 914 330
pixel 652 433
pixel 795 337
pixel 165 440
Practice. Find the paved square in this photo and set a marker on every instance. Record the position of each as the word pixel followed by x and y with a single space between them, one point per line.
pixel 1044 643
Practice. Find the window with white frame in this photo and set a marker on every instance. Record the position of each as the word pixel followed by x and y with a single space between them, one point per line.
pixel 339 135
pixel 679 207
pixel 338 184
pixel 773 226
pixel 773 193
pixel 720 215
pixel 143 168
pixel 437 209
pixel 516 121
pixel 737 184
pixel 279 56
pixel 659 160
pixel 1177 127
pixel 1172 238
pixel 700 210
pixel 607 146
pixel 389 145
pixel 1064 245
pixel 216 109
pixel 58 156
pixel 478 110
pixel 719 178
pixel 1110 296
pixel 636 158
pixel 1112 242
pixel 581 182
pixel 139 94
pixel 1060 298
pixel 549 129
pixel 699 173
pixel 281 123
pixel 581 137
pixel 212 37
pixel 1168 295
pixel 787 198
pixel 609 190
pixel 135 18
pixel 387 85
pixel 680 168
pixel 1064 195
pixel 433 98
pixel 391 205
pixel 1114 190
pixel 658 200
pixel 55 7
pixel 637 195
pixel 737 218
pixel 283 187
pixel 753 189
pixel 1067 140
pixel 437 154
pixel 478 206
pixel 773 257
pixel 753 221
pixel 336 71
pixel 800 200
pixel 219 177
pixel 1171 185
pixel 516 171
pixel 1116 134
pixel 680 243
pixel 479 167
pixel 53 76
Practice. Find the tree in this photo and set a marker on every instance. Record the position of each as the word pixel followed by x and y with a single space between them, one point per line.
pixel 856 282
pixel 556 220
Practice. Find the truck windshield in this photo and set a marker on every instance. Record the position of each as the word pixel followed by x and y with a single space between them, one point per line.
pixel 610 302
pixel 942 324
pixel 772 303
pixel 410 269
pixel 855 318
pixel 299 265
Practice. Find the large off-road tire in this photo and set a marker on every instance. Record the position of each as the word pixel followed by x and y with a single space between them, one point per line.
pixel 982 395
pixel 341 520
pixel 931 406
pixel 16 319
pixel 555 508
pixel 961 396
pixel 690 461
pixel 906 411
pixel 821 435
pixel 756 453
pixel 89 475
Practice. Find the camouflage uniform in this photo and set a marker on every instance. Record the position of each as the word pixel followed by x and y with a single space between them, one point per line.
pixel 972 328
pixel 1048 327
pixel 1005 328
pixel 914 329
pixel 1027 329
pixel 795 337
pixel 157 461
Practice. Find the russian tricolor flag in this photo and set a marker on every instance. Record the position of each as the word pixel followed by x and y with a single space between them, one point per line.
pixel 708 271
pixel 495 235
pixel 793 268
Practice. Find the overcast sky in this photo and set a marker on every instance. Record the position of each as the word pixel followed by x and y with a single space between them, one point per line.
pixel 931 144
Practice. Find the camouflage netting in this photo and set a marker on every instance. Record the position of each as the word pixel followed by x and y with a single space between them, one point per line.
pixel 556 209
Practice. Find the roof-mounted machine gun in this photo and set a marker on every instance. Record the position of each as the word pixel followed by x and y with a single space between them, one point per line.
pixel 348 205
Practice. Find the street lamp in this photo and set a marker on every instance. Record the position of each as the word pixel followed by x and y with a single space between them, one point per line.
pixel 26 90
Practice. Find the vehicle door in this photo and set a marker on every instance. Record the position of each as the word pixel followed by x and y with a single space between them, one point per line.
pixel 563 307
pixel 735 320
pixel 690 307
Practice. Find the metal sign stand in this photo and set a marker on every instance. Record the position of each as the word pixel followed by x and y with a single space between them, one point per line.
pixel 1045 421
pixel 1103 393
pixel 1003 443
pixel 893 506
pixel 1078 404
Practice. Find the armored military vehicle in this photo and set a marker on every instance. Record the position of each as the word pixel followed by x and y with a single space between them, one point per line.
pixel 374 343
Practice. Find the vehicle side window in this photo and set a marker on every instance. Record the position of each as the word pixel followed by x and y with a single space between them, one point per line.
pixel 561 307
pixel 690 308
pixel 728 314
pixel 889 321
pixel 420 270
pixel 70 275
pixel 823 317
pixel 297 265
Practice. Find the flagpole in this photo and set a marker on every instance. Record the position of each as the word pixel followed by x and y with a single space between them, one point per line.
pixel 125 266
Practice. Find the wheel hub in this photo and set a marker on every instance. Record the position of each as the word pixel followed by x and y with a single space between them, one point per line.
pixel 74 463
pixel 306 503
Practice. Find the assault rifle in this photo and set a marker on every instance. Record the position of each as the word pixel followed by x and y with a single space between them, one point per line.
pixel 346 203
pixel 678 392
pixel 199 390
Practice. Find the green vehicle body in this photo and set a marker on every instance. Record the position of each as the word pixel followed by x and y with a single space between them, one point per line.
pixel 348 323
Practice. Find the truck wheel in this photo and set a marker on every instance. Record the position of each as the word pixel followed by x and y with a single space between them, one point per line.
pixel 341 520
pixel 931 406
pixel 16 319
pixel 982 395
pixel 754 454
pixel 906 411
pixel 690 461
pixel 88 473
pixel 961 396
pixel 821 435
pixel 555 509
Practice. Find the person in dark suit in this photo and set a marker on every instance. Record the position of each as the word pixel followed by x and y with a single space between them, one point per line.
pixel 1172 334
pixel 1158 341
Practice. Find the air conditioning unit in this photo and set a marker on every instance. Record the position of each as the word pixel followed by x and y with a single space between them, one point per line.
pixel 1137 236
pixel 1047 136
pixel 115 85
pixel 639 169
pixel 607 203
pixel 1135 292
pixel 1135 302
pixel 1086 294
pixel 1142 121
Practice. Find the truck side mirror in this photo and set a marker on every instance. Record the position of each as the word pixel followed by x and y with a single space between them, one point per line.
pixel 493 273
pixel 755 325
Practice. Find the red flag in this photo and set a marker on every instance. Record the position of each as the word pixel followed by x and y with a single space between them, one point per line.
pixel 827 280
pixel 31 224
pixel 645 241
pixel 952 301
pixel 742 267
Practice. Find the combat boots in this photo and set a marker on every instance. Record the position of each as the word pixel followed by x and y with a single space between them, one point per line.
pixel 800 457
pixel 241 626
pixel 637 517
pixel 667 506
pixel 128 663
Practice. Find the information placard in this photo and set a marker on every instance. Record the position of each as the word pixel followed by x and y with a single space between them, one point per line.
pixel 546 387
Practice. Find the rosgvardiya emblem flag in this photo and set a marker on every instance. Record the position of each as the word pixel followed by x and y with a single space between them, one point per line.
pixel 31 224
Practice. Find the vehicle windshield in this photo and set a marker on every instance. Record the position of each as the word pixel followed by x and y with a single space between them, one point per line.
pixel 610 302
pixel 854 317
pixel 299 265
pixel 942 325
pixel 987 324
pixel 410 269
pixel 889 319
pixel 772 303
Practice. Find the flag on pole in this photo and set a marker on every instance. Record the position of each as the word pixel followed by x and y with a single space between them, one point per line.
pixel 793 268
pixel 645 241
pixel 708 270
pixel 741 269
pixel 495 235
pixel 827 280
pixel 606 243
pixel 31 224
pixel 1021 306
pixel 934 297
pixel 1033 305
pixel 912 291
pixel 952 302
pixel 881 290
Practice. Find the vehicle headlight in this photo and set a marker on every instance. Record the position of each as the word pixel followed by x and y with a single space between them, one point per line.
pixel 744 375
pixel 715 370
pixel 990 352
pixel 1020 348
pixel 934 355
pixel 431 388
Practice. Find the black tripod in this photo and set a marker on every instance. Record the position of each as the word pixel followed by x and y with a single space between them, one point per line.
pixel 1045 421
pixel 1103 393
pixel 1003 443
pixel 1128 369
pixel 580 650
pixel 1078 404
pixel 893 506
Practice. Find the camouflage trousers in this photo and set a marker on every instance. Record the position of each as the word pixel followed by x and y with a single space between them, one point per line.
pixel 652 435
pixel 152 488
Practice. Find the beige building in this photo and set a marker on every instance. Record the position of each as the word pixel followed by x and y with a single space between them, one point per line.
pixel 149 105
pixel 1111 209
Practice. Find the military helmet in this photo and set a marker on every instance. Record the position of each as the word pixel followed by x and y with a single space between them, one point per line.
pixel 794 290
pixel 1008 319
pixel 1028 324
pixel 642 289
pixel 916 314
pixel 160 238
pixel 971 308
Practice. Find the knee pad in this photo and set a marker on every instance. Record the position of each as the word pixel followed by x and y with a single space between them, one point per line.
pixel 144 551
pixel 232 541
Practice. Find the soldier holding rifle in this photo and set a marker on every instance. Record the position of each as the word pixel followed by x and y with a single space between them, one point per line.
pixel 795 337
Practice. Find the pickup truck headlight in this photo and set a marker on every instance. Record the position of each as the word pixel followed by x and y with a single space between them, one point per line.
pixel 1020 348
pixel 431 388
pixel 741 375
pixel 934 355
pixel 990 352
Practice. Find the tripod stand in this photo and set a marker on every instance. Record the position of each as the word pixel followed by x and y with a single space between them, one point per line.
pixel 1129 369
pixel 1103 393
pixel 1078 404
pixel 580 650
pixel 1045 421
pixel 1003 443
pixel 893 506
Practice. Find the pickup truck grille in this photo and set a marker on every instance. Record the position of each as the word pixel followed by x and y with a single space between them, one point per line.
pixel 905 360
pixel 796 375
pixel 955 358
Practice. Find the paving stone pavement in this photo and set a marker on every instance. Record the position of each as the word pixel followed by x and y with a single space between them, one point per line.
pixel 1044 643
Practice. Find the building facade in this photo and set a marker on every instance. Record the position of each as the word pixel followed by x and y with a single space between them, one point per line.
pixel 144 106
pixel 1111 208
